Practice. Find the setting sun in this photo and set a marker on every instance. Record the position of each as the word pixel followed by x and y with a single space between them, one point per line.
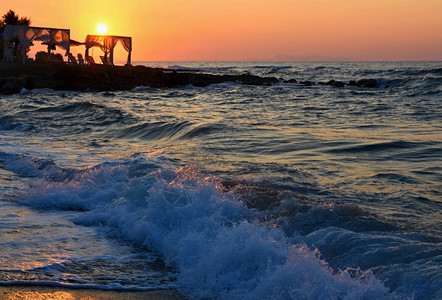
pixel 226 30
pixel 101 28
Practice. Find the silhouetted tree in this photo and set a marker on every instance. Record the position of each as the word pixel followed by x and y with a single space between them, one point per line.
pixel 11 18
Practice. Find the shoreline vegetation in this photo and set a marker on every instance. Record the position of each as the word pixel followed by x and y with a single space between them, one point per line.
pixel 14 77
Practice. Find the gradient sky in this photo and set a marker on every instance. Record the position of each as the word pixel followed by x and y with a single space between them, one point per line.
pixel 248 30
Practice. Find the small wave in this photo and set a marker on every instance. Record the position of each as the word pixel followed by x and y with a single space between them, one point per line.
pixel 46 91
pixel 311 69
pixel 32 167
pixel 8 124
pixel 153 131
pixel 276 67
pixel 424 72
pixel 383 83
pixel 204 130
pixel 375 147
pixel 432 77
pixel 70 107
pixel 405 251
pixel 297 214
pixel 397 177
pixel 78 116
pixel 428 76
pixel 224 85
pixel 370 126
pixel 141 89
pixel 25 91
pixel 185 68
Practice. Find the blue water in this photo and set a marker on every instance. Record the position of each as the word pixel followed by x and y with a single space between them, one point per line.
pixel 230 191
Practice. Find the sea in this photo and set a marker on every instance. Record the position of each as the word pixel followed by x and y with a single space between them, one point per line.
pixel 230 191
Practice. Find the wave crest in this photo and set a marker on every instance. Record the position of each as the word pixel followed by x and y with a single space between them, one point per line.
pixel 216 244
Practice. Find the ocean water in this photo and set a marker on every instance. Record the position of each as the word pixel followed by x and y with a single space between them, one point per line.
pixel 230 191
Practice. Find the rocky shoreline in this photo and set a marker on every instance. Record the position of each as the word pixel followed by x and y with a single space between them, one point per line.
pixel 15 77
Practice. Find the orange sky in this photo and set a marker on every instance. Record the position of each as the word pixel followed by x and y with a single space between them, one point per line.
pixel 230 30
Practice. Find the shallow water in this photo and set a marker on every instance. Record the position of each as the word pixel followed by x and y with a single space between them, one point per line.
pixel 230 191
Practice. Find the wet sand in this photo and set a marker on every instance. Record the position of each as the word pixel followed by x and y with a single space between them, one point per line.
pixel 20 292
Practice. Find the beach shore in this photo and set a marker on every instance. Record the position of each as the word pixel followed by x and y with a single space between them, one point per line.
pixel 59 293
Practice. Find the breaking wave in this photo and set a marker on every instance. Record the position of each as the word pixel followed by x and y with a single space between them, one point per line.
pixel 216 244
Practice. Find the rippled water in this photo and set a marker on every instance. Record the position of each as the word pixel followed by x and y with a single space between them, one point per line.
pixel 230 191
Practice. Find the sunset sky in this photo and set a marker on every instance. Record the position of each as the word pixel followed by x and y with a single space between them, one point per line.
pixel 250 30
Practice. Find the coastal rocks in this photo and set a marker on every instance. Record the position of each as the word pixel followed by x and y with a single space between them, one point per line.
pixel 201 80
pixel 256 80
pixel 14 85
pixel 306 83
pixel 369 83
pixel 15 77
pixel 10 86
pixel 291 81
pixel 336 83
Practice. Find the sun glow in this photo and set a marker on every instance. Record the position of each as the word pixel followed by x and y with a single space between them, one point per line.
pixel 101 28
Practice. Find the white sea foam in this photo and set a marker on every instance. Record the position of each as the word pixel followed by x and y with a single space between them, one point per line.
pixel 140 89
pixel 25 91
pixel 429 76
pixel 215 243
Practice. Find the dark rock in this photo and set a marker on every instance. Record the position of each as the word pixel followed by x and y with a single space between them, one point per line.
pixel 14 77
pixel 256 80
pixel 369 83
pixel 28 82
pixel 336 83
pixel 200 83
pixel 12 86
pixel 306 83
pixel 352 83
